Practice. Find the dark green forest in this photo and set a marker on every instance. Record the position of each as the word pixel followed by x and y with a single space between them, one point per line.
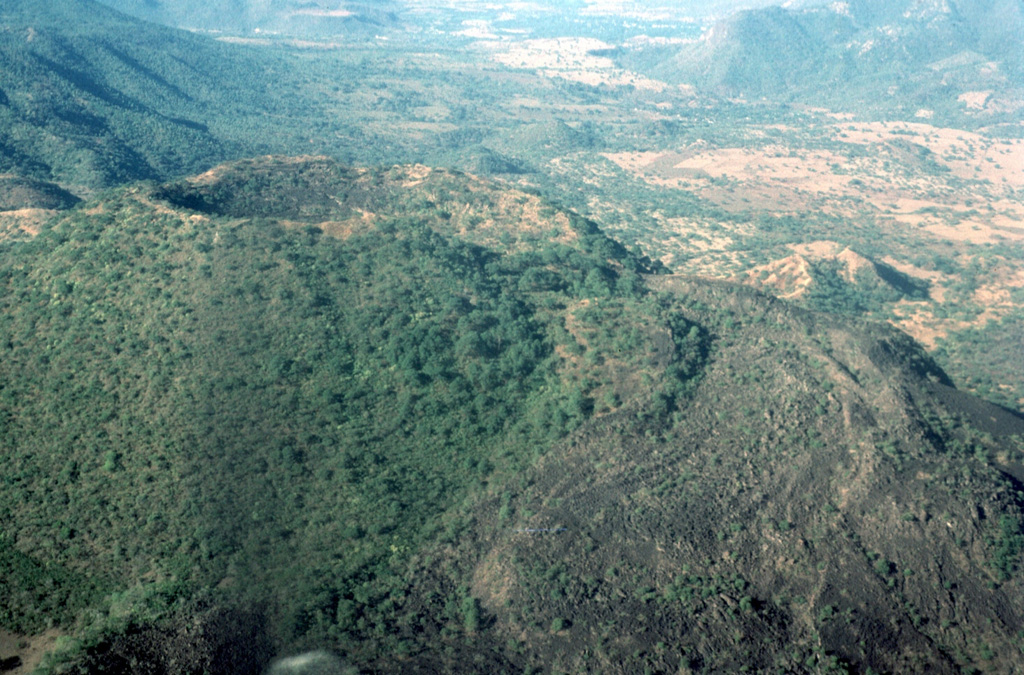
pixel 341 395
pixel 307 428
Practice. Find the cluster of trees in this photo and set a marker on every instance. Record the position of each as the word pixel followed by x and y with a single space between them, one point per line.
pixel 200 400
pixel 872 289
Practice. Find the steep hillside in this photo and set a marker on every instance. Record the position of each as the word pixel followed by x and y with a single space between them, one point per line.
pixel 91 98
pixel 246 16
pixel 84 108
pixel 800 512
pixel 435 425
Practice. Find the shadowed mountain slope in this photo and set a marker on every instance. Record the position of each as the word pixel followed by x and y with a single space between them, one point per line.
pixel 90 97
pixel 433 424
pixel 24 193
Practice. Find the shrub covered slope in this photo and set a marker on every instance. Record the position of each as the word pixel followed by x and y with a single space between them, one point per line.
pixel 433 424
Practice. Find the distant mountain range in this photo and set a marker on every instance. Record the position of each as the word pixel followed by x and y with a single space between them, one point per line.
pixel 245 16
pixel 332 17
pixel 90 97
pixel 861 54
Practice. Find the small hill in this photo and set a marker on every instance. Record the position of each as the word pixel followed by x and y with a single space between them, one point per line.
pixel 342 202
pixel 545 138
pixel 431 424
pixel 831 278
pixel 787 278
pixel 484 161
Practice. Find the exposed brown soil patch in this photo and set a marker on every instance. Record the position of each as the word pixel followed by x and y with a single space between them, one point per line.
pixel 22 654
pixel 787 278
pixel 569 58
pixel 23 222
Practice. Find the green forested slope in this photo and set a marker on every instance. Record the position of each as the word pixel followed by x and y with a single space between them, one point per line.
pixel 436 425
pixel 190 399
pixel 91 98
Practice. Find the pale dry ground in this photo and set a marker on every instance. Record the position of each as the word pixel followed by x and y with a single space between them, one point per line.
pixel 335 13
pixel 991 101
pixel 256 42
pixel 975 100
pixel 864 165
pixel 863 170
pixel 23 222
pixel 918 320
pixel 789 278
pixel 968 155
pixel 30 649
pixel 928 186
pixel 571 59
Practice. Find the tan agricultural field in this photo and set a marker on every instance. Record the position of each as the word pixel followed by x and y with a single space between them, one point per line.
pixel 913 194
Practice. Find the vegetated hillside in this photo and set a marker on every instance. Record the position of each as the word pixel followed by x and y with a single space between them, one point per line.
pixel 344 202
pixel 91 98
pixel 844 282
pixel 26 203
pixel 193 400
pixel 866 56
pixel 815 506
pixel 989 354
pixel 433 424
pixel 17 192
